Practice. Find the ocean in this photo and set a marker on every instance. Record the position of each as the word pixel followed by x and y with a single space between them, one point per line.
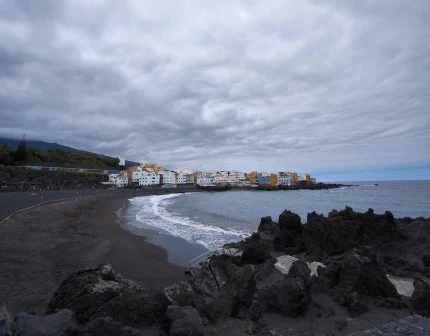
pixel 186 225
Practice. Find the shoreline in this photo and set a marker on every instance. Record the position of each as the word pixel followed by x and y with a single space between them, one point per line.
pixel 40 247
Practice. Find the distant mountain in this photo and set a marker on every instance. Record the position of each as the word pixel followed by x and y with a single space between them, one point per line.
pixel 46 146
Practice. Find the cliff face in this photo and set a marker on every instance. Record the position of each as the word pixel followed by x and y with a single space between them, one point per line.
pixel 327 277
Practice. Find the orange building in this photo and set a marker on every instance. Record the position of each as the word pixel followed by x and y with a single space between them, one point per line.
pixel 252 176
pixel 294 178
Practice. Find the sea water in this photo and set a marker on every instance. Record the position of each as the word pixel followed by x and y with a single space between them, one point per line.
pixel 189 224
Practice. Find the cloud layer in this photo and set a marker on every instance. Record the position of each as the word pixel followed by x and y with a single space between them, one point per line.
pixel 269 85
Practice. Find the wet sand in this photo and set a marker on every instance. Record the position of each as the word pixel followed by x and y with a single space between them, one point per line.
pixel 41 246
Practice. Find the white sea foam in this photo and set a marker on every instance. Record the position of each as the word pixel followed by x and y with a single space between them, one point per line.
pixel 152 213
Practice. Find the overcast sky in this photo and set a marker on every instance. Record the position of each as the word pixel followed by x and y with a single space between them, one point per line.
pixel 315 86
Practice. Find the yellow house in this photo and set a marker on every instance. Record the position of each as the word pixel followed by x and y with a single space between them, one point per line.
pixel 252 176
pixel 274 180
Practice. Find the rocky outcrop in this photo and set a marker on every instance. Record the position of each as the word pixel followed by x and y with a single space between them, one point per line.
pixel 357 250
pixel 99 291
pixel 267 228
pixel 236 295
pixel 289 297
pixel 255 251
pixel 184 321
pixel 289 221
pixel 344 230
pixel 421 297
pixel 358 273
pixel 48 325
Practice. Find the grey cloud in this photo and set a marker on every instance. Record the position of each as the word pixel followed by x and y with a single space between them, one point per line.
pixel 235 85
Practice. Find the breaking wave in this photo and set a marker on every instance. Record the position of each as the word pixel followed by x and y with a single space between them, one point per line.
pixel 152 213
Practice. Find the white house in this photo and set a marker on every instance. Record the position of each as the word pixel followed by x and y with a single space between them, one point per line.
pixel 231 177
pixel 205 180
pixel 284 178
pixel 118 180
pixel 168 177
pixel 181 178
pixel 145 177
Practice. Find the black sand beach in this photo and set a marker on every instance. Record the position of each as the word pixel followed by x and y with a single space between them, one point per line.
pixel 41 246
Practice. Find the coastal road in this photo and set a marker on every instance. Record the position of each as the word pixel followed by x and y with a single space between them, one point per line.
pixel 13 201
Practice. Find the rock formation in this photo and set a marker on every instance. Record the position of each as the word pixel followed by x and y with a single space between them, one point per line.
pixel 329 271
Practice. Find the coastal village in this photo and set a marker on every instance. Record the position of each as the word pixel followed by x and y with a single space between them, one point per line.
pixel 155 175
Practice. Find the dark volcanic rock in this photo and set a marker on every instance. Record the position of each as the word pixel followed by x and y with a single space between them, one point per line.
pixel 361 274
pixel 289 297
pixel 290 221
pixel 184 321
pixel 103 326
pixel 180 294
pixel 55 324
pixel 256 251
pixel 99 292
pixel 421 297
pixel 328 236
pixel 344 230
pixel 236 295
pixel 267 228
pixel 301 270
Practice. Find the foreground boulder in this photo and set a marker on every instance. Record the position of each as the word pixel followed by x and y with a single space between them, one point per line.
pixel 55 324
pixel 267 228
pixel 99 292
pixel 236 295
pixel 256 251
pixel 289 297
pixel 184 321
pixel 290 221
pixel 421 297
pixel 358 273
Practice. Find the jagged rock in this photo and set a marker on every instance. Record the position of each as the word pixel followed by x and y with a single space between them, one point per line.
pixel 180 294
pixel 290 221
pixel 324 236
pixel 256 251
pixel 6 322
pixel 301 270
pixel 344 230
pixel 55 324
pixel 103 326
pixel 236 294
pixel 361 274
pixel 421 297
pixel 208 280
pixel 184 321
pixel 267 228
pixel 99 291
pixel 289 297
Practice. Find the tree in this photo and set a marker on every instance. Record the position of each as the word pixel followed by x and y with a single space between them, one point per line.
pixel 5 156
pixel 21 154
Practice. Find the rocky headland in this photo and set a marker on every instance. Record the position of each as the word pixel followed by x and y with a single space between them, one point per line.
pixel 335 275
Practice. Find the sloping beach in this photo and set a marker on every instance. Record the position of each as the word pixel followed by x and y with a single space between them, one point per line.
pixel 41 246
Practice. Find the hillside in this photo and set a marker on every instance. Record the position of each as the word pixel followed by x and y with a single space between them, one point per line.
pixel 45 147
